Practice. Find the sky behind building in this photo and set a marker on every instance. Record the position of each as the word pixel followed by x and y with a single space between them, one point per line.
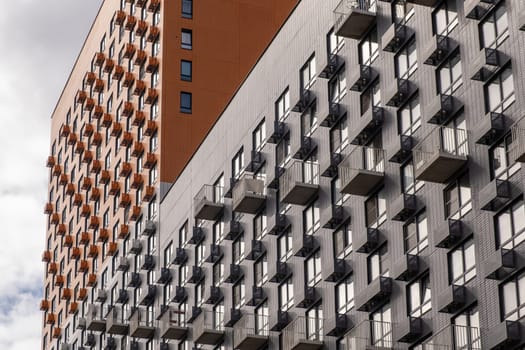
pixel 41 40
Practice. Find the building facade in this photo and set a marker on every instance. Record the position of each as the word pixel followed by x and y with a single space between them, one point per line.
pixel 361 190
pixel 148 84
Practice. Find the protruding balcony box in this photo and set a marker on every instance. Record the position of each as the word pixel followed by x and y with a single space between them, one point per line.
pixel 153 5
pixel 205 330
pixel 476 9
pixel 95 320
pixel 197 275
pixel 449 233
pixel 506 335
pixel 279 272
pixel 173 325
pixel 44 305
pixel 407 267
pixel 336 271
pixel 307 297
pixel 369 332
pixel 236 273
pixel 274 182
pixel 441 154
pixel 256 162
pixel 335 113
pixel 403 207
pixel 303 333
pixel 501 264
pixel 362 170
pixel 306 98
pixel 305 245
pixel 399 92
pixel 117 323
pixel 215 254
pixel 258 296
pixel 123 264
pixel 235 230
pixel 152 65
pixel 429 3
pixel 136 246
pixel 333 216
pixel 277 224
pixel 404 151
pixel 50 318
pixel 338 325
pixel 135 280
pixel 329 164
pixel 141 324
pixel 487 64
pixel 213 295
pixel 57 331
pixel 410 330
pixel 300 182
pixel 438 49
pixel 395 37
pixel 495 195
pixel 332 66
pixel 102 295
pixel 181 256
pixel 462 336
pixel 362 78
pixel 149 228
pixel 50 161
pixel 90 340
pixel 279 321
pixel 353 18
pixel 197 236
pixel 180 294
pixel 491 129
pixel 375 294
pixel 251 332
pixel 249 195
pixel 368 125
pixel 165 275
pixel 123 296
pixel 46 256
pixel 452 299
pixel 368 241
pixel 278 132
pixel 148 295
pixel 306 147
pixel 257 250
pixel 517 147
pixel 234 316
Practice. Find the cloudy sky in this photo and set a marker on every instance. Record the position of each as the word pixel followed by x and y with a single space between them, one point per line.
pixel 40 40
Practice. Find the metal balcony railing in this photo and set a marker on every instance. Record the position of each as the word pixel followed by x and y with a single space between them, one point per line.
pixel 369 334
pixel 362 170
pixel 354 17
pixel 251 332
pixel 454 337
pixel 300 182
pixel 208 202
pixel 249 194
pixel 303 333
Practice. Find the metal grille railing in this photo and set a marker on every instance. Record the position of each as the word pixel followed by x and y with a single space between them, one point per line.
pixel 302 329
pixel 517 147
pixel 442 139
pixel 369 333
pixel 209 319
pixel 362 158
pixel 247 185
pixel 454 337
pixel 250 324
pixel 142 318
pixel 298 171
pixel 209 193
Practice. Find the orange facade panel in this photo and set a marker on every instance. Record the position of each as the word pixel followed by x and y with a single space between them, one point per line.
pixel 99 59
pixel 153 5
pixel 119 72
pixel 127 109
pixel 90 78
pixel 129 51
pixel 103 235
pixel 124 231
pixel 88 157
pixel 112 248
pixel 127 139
pixel 94 222
pixel 142 56
pixel 73 307
pixel 151 128
pixel 149 193
pixel 137 182
pixel 92 280
pixel 138 149
pixel 59 280
pixel 54 219
pixel 140 87
pixel 52 268
pixel 44 305
pixel 85 238
pixel 136 211
pixel 77 199
pixel 97 139
pixel 109 65
pixel 82 294
pixel 63 180
pixel 152 96
pixel 61 230
pixel 66 293
pixel 70 189
pixel 95 194
pixel 68 241
pixel 85 211
pixel 50 162
pixel 48 208
pixel 142 28
pixel 125 200
pixel 125 169
pixel 153 34
pixel 120 17
pixel 93 251
pixel 105 177
pixel 98 112
pixel 81 96
pixel 139 119
pixel 99 86
pixel 153 65
pixel 83 266
pixel 116 130
pixel 46 256
pixel 51 318
pixel 75 253
pixel 65 130
pixel 151 160
pixel 107 120
pixel 131 21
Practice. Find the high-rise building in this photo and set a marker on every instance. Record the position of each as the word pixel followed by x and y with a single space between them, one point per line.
pixel 361 190
pixel 149 82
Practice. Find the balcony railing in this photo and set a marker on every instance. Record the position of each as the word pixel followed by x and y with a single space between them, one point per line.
pixel 454 337
pixel 173 325
pixel 249 195
pixel 209 202
pixel 362 170
pixel 208 327
pixel 353 18
pixel 304 333
pixel 369 335
pixel 300 182
pixel 441 154
pixel 251 332
pixel 117 321
pixel 142 324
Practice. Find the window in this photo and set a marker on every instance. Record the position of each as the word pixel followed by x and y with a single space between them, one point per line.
pixel 499 93
pixel 183 235
pixel 343 242
pixel 284 246
pixel 445 18
pixel 218 316
pixel 381 327
pixel 200 254
pixel 512 298
pixel 261 271
pixel 308 74
pixel 339 136
pixel 335 43
pixel 199 294
pixel 168 254
pixel 337 87
pixel 375 208
pixel 185 70
pixel 262 325
pixel 239 294
pixel 218 231
pixel 406 61
pixel 419 297
pixel 313 269
pixel 510 225
pixel 260 228
pixel 259 136
pixel 218 273
pixel 409 117
pixel 185 102
pixel 449 75
pixel 467 330
pixel 369 49
pixel 344 295
pixel 371 97
pixel 282 106
pixel 402 11
pixel 186 39
pixel 409 184
pixel 501 166
pixel 378 263
pixel 462 263
pixel 311 220
pixel 283 150
pixel 238 249
pixel 187 8
pixel 458 198
pixel 314 323
pixel 238 164
pixel 495 28
pixel 416 234
pixel 286 301
pixel 309 121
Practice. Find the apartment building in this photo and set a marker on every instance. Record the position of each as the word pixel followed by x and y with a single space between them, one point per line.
pixel 361 190
pixel 148 84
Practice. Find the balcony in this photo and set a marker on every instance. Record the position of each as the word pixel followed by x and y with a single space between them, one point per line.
pixel 68 241
pixel 304 245
pixel 89 104
pixel 109 65
pixel 370 335
pixel 306 147
pixel 501 264
pixel 82 294
pixel 153 34
pixel 117 322
pixel 50 163
pixel 375 294
pixel 438 49
pixel 97 139
pixel 135 280
pixel 236 273
pixel 407 267
pixel 136 211
pixel 258 296
pixel 307 297
pixel 54 219
pixel 256 163
pixel 278 132
pixel 396 37
pixel 249 195
pixel 368 126
pixel 251 332
pixel 495 195
pixel 411 329
pixel 165 275
pixel 303 333
pixel 123 264
pixel 362 78
pixel 149 263
pixel 449 233
pixel 428 3
pixel 141 324
pixel 150 161
pixel 476 9
pixel 336 271
pixel 46 256
pixel 506 335
pixel 44 305
pixel 330 164
pixel 279 272
pixel 354 18
pixel 491 129
pixel 517 147
pixel 57 332
pixel 180 256
pixel 488 64
pixel 338 325
pixel 83 266
pixel 332 66
pixel 180 294
pixel 127 139
pixel 142 28
pixel 403 207
pixel 59 280
pixel 136 246
pixel 399 92
pixel 151 96
pixel 197 275
pixel 300 182
pixel 119 72
pixel 369 241
pixel 305 101
pixel 92 280
pixel 207 329
pixel 362 170
pixel 213 295
pixel 277 224
pixel 441 154
pixel 57 170
pixel 257 250
pixel 99 59
pixel 404 151
pixel 99 86
pixel 88 157
pixel 279 321
pixel 75 253
pixel 173 325
pixel 452 299
pixel 455 337
pixel 153 65
pixel 95 320
pixel 335 112
pixel 153 5
pixel 73 308
pixel 197 236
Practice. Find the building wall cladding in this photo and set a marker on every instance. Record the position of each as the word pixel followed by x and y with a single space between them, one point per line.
pixel 305 33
